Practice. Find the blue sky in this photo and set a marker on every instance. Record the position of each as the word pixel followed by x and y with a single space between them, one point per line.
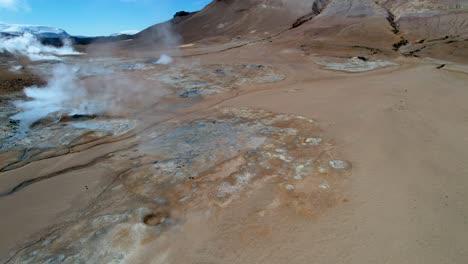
pixel 94 17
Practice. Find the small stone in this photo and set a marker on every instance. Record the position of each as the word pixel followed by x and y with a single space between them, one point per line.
pixel 322 170
pixel 118 187
pixel 160 201
pixel 56 259
pixel 290 187
pixel 339 164
pixel 313 140
pixel 324 186
pixel 284 158
pixel 281 150
pixel 299 170
pixel 186 198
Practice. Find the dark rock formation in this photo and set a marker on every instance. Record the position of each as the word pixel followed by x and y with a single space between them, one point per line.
pixel 181 14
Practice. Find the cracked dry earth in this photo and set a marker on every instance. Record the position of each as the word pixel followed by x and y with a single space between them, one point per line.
pixel 137 190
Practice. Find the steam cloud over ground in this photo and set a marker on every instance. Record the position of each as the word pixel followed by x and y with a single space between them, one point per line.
pixel 28 45
pixel 62 94
pixel 165 59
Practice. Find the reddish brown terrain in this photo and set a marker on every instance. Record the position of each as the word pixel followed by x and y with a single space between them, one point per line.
pixel 306 131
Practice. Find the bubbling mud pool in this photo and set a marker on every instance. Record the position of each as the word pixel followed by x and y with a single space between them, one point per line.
pixel 199 165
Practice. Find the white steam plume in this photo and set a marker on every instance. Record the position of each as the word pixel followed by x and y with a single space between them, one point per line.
pixel 164 59
pixel 28 45
pixel 62 94
pixel 67 95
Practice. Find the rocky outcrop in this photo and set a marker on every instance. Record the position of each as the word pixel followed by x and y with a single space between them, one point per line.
pixel 430 19
pixel 181 14
pixel 317 8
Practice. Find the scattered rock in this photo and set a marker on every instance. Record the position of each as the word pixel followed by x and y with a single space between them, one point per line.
pixel 160 200
pixel 400 43
pixel 181 14
pixel 191 93
pixel 339 164
pixel 313 141
pixel 322 170
pixel 324 186
pixel 56 259
pixel 299 170
pixel 186 198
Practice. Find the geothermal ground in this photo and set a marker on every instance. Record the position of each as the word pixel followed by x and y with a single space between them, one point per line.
pixel 251 151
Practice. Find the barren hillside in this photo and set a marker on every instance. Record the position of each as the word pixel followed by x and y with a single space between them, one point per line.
pixel 414 28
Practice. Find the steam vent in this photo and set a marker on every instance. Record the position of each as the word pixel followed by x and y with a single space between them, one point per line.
pixel 253 131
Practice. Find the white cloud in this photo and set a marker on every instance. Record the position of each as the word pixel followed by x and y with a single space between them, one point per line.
pixel 8 4
pixel 14 5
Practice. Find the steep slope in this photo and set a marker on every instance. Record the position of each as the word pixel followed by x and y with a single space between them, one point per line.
pixel 312 24
pixel 434 28
pixel 359 27
pixel 227 19
pixel 430 19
